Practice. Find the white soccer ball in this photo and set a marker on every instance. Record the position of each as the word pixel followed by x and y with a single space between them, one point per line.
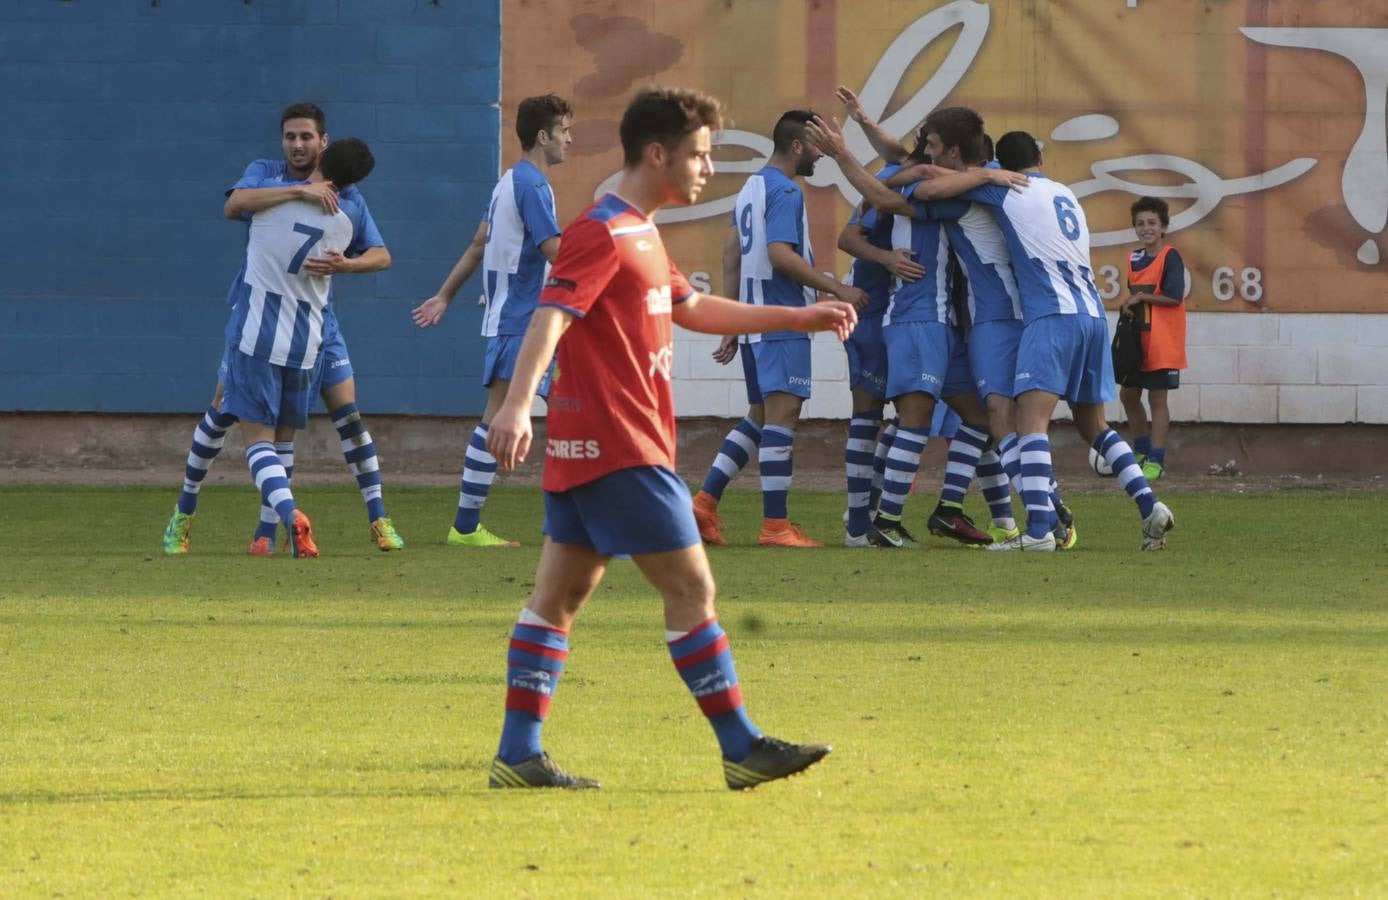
pixel 1099 464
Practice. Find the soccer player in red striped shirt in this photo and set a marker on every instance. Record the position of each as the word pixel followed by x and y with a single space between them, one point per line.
pixel 609 477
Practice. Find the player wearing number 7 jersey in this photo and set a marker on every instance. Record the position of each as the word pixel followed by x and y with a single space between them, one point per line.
pixel 277 330
pixel 1064 350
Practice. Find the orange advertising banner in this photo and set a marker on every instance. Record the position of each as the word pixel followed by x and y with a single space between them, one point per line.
pixel 1262 123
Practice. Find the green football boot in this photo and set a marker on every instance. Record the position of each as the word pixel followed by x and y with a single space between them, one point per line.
pixel 384 535
pixel 176 534
pixel 478 537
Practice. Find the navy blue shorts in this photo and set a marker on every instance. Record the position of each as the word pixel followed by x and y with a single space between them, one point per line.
pixel 867 357
pixel 926 358
pixel 993 355
pixel 334 365
pixel 630 512
pixel 257 390
pixel 776 367
pixel 1066 355
pixel 500 362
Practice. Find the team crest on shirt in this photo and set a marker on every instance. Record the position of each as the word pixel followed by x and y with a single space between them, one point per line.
pixel 658 301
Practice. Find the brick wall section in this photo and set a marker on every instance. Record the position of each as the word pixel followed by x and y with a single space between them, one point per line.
pixel 124 120
pixel 1244 368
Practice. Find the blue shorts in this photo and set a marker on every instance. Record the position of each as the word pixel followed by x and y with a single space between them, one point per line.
pixel 500 362
pixel 993 355
pixel 944 422
pixel 256 390
pixel 776 367
pixel 1066 355
pixel 926 358
pixel 867 357
pixel 334 365
pixel 629 512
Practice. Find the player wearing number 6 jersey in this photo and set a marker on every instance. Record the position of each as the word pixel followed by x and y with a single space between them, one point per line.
pixel 609 305
pixel 277 330
pixel 1064 351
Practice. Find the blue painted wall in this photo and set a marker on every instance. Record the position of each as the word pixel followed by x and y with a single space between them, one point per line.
pixel 123 121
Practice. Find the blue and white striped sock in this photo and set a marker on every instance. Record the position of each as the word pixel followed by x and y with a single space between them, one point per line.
pixel 1113 448
pixel 268 473
pixel 879 462
pixel 997 491
pixel 479 471
pixel 208 438
pixel 776 464
pixel 732 457
pixel 360 452
pixel 1036 483
pixel 269 518
pixel 964 452
pixel 857 464
pixel 903 462
pixel 1010 451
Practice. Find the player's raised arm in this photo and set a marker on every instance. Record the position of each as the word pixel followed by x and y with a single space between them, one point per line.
pixel 719 315
pixel 829 139
pixel 428 313
pixel 248 201
pixel 889 148
pixel 510 435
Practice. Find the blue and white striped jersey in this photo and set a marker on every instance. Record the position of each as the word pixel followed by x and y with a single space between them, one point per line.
pixel 770 209
pixel 279 315
pixel 872 278
pixel 979 244
pixel 926 300
pixel 263 173
pixel 1048 237
pixel 519 219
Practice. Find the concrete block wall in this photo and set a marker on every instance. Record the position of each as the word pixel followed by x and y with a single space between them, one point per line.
pixel 1264 368
pixel 124 122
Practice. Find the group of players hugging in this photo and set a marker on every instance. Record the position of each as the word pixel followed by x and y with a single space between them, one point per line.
pixel 972 284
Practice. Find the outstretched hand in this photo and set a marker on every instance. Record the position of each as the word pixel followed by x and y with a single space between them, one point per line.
pixel 828 315
pixel 827 137
pixel 727 350
pixel 428 313
pixel 851 106
pixel 900 263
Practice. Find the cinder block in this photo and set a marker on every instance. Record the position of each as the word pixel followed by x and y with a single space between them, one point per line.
pixel 829 363
pixel 1314 403
pixel 1371 330
pixel 1238 403
pixel 1277 365
pixel 703 398
pixel 1372 408
pixel 1211 365
pixel 1231 329
pixel 378 84
pixel 1319 330
pixel 1184 404
pixel 412 43
pixel 1352 364
pixel 417 122
pixel 828 401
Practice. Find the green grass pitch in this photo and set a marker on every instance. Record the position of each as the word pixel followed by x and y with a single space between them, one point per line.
pixel 1211 721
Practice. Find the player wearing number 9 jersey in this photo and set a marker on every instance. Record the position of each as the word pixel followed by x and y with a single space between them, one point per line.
pixel 1064 349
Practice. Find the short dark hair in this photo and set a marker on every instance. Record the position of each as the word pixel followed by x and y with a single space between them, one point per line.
pixel 346 161
pixel 986 148
pixel 537 114
pixel 665 116
pixel 305 111
pixel 1152 205
pixel 1017 151
pixel 957 126
pixel 790 127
